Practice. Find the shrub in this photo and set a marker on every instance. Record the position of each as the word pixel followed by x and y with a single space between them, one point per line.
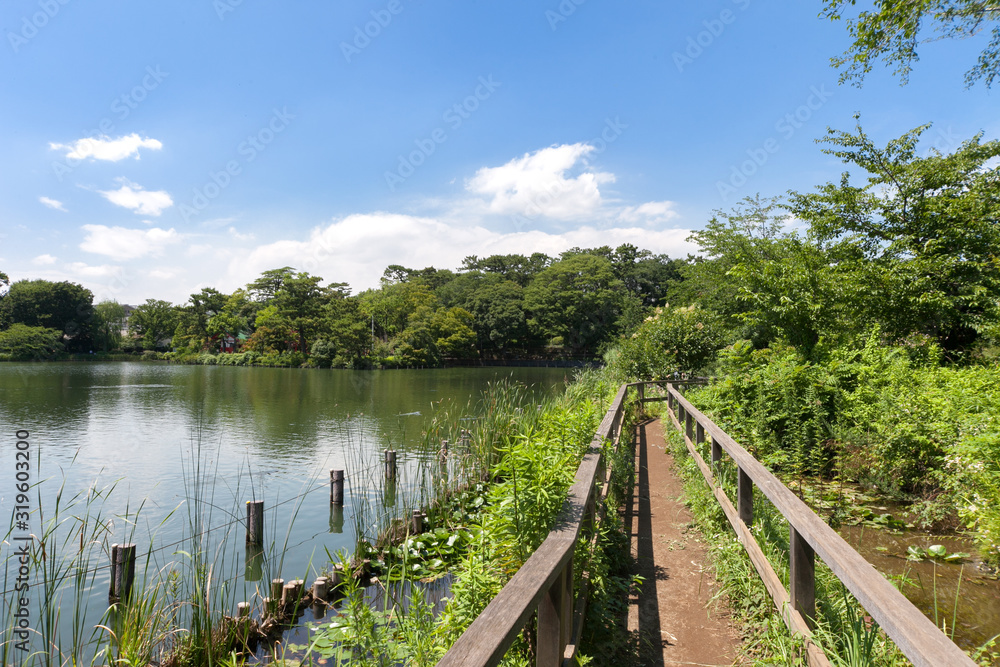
pixel 34 343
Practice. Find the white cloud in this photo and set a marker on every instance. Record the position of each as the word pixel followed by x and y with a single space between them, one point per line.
pixel 134 198
pixel 44 260
pixel 106 148
pixel 121 243
pixel 240 237
pixel 537 184
pixel 357 248
pixel 86 270
pixel 52 203
pixel 650 213
pixel 161 275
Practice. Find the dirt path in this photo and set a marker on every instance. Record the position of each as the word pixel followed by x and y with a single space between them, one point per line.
pixel 672 616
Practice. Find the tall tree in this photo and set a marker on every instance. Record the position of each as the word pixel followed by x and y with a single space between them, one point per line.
pixel 893 30
pixel 109 320
pixel 65 306
pixel 577 299
pixel 921 236
pixel 153 323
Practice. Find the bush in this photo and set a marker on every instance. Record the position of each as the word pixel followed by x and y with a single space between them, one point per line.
pixel 21 342
pixel 671 340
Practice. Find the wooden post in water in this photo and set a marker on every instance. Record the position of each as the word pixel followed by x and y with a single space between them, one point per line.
pixel 243 610
pixel 337 487
pixel 390 464
pixel 276 587
pixel 321 589
pixel 802 576
pixel 417 522
pixel 255 522
pixel 122 571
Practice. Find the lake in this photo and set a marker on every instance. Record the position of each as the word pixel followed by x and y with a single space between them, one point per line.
pixel 146 438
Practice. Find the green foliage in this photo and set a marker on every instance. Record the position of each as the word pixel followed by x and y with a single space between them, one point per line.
pixel 916 245
pixel 64 306
pixel 21 342
pixel 108 324
pixel 578 299
pixel 153 323
pixel 893 29
pixel 678 339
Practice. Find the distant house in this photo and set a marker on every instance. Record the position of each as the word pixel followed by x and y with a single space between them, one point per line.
pixel 125 318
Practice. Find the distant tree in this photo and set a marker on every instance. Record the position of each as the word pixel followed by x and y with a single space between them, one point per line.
pixel 109 320
pixel 4 284
pixel 193 318
pixel 576 299
pixel 497 308
pixel 894 28
pixel 65 306
pixel 515 268
pixel 153 323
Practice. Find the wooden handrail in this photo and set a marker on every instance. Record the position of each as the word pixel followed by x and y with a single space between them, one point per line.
pixel 544 584
pixel 917 637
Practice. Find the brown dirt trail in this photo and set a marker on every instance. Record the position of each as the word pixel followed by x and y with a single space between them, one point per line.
pixel 672 615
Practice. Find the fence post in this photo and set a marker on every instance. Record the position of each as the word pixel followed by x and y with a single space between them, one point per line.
pixel 689 427
pixel 642 392
pixel 336 487
pixel 716 455
pixel 744 497
pixel 802 577
pixel 554 618
pixel 699 436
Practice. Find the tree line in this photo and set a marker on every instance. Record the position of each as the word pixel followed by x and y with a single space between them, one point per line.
pixel 496 307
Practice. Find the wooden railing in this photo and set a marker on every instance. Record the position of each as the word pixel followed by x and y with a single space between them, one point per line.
pixel 544 584
pixel 918 638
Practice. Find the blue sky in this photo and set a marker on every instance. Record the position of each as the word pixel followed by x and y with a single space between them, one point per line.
pixel 151 149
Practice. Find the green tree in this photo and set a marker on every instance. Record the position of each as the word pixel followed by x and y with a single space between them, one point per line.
pixel 576 299
pixel 108 323
pixel 894 28
pixel 65 306
pixel 20 341
pixel 237 316
pixel 434 335
pixel 497 308
pixel 153 323
pixel 919 240
pixel 193 318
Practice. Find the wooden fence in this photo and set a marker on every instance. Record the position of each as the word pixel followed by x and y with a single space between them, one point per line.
pixel 544 584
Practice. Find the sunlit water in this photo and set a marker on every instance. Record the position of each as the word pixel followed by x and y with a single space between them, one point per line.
pixel 154 436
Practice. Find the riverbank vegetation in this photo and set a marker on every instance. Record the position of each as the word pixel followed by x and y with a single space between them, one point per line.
pixel 855 331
